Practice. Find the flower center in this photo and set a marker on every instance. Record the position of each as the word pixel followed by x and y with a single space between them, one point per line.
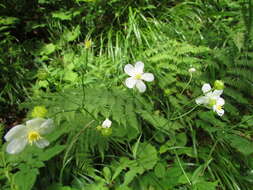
pixel 219 107
pixel 33 136
pixel 212 102
pixel 138 76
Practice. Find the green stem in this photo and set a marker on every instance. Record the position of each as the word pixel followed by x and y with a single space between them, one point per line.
pixel 186 113
pixel 70 147
pixel 188 83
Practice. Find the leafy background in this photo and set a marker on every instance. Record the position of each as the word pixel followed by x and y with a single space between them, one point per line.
pixel 160 140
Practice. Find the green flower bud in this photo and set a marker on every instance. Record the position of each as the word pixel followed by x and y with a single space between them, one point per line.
pixel 219 85
pixel 106 131
pixel 87 44
pixel 167 91
pixel 39 111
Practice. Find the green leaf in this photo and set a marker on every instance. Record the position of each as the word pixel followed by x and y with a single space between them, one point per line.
pixel 129 176
pixel 160 170
pixel 107 173
pixel 204 185
pixel 51 152
pixel 70 76
pixel 70 36
pixel 181 139
pixel 62 15
pixel 26 178
pixel 146 156
pixel 241 144
pixel 47 49
pixel 8 20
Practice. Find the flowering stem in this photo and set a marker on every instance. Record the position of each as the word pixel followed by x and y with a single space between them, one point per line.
pixel 70 147
pixel 180 165
pixel 186 113
pixel 188 83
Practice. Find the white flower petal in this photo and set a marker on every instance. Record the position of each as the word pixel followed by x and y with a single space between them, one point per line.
pixel 16 145
pixel 217 93
pixel 46 127
pixel 139 66
pixel 140 86
pixel 15 132
pixel 147 77
pixel 206 88
pixel 130 82
pixel 42 143
pixel 129 69
pixel 192 70
pixel 220 101
pixel 34 123
pixel 107 123
pixel 202 100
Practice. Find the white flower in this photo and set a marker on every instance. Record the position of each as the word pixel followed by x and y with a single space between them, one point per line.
pixel 21 135
pixel 137 76
pixel 218 106
pixel 210 97
pixel 192 70
pixel 107 123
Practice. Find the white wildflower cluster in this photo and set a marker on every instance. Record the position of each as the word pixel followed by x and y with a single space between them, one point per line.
pixel 32 132
pixel 212 99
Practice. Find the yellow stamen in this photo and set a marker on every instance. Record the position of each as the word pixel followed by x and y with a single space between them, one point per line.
pixel 87 44
pixel 33 136
pixel 219 107
pixel 138 76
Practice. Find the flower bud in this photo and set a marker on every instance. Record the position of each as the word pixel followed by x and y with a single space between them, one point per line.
pixel 167 92
pixel 87 44
pixel 192 70
pixel 219 85
pixel 39 111
pixel 106 131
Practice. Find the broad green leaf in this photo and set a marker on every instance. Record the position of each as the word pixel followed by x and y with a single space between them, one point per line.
pixel 204 185
pixel 26 178
pixel 70 76
pixel 146 156
pixel 51 152
pixel 160 170
pixel 241 144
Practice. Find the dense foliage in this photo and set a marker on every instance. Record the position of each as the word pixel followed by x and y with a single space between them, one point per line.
pixel 65 60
